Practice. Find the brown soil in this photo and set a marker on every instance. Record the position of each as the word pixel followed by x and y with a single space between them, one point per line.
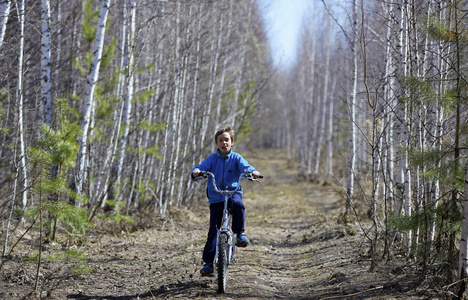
pixel 300 249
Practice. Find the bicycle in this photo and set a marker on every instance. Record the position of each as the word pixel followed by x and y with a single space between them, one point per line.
pixel 224 255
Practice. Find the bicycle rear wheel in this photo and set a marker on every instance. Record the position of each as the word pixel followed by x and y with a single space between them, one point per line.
pixel 223 260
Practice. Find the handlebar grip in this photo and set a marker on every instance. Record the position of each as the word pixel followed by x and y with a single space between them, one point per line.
pixel 261 176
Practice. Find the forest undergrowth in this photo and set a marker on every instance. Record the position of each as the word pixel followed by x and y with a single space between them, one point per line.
pixel 301 249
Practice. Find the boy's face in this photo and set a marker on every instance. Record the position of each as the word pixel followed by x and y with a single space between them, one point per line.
pixel 224 143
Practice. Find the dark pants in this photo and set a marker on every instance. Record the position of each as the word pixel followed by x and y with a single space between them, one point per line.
pixel 216 216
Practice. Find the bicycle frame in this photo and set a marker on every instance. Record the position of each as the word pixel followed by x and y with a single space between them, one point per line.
pixel 225 227
pixel 226 222
pixel 225 246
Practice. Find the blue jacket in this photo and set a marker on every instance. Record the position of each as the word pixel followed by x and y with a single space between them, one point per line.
pixel 226 170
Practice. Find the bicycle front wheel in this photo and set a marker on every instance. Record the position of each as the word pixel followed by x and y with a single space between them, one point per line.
pixel 223 260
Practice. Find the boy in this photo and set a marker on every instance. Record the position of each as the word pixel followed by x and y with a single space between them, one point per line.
pixel 226 166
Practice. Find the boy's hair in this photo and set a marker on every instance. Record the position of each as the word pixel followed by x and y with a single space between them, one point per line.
pixel 224 129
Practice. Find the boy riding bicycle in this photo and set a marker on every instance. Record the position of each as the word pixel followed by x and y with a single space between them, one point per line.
pixel 227 166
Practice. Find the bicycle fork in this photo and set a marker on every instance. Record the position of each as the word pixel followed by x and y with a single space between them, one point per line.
pixel 227 242
pixel 222 243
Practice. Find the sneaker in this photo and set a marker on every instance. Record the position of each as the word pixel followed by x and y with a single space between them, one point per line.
pixel 242 240
pixel 207 270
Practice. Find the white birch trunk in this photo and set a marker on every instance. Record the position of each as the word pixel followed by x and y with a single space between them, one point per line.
pixel 150 162
pixel 223 72
pixel 20 100
pixel 352 117
pixel 159 193
pixel 215 48
pixel 45 63
pixel 240 69
pixel 179 72
pixel 181 111
pixel 5 6
pixel 325 100
pixel 89 95
pixel 97 199
pixel 408 190
pixel 121 94
pixel 388 97
pixel 439 129
pixel 386 144
pixel 58 50
pixel 130 76
pixel 191 119
pixel 120 89
pixel 166 165
pixel 330 132
pixel 311 116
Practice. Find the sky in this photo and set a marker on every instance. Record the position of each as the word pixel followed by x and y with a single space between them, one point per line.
pixel 283 20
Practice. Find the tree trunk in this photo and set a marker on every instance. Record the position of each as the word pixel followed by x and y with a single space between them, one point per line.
pixel 45 63
pixel 352 115
pixel 311 116
pixel 215 49
pixel 325 99
pixel 89 96
pixel 240 69
pixel 224 68
pixel 195 91
pixel 331 130
pixel 129 85
pixel 5 6
pixel 58 50
pixel 20 101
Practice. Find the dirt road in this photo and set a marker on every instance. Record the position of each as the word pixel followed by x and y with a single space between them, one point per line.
pixel 299 250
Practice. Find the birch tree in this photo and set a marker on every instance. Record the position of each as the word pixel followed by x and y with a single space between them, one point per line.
pixel 89 95
pixel 130 82
pixel 203 57
pixel 224 67
pixel 5 6
pixel 324 99
pixel 311 108
pixel 20 101
pixel 240 65
pixel 352 112
pixel 45 62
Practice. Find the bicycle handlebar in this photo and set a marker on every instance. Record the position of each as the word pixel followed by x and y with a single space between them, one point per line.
pixel 247 174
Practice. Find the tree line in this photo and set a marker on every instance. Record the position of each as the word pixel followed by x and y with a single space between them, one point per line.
pixel 107 105
pixel 377 104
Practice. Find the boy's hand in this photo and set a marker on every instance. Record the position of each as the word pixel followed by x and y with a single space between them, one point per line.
pixel 256 174
pixel 195 173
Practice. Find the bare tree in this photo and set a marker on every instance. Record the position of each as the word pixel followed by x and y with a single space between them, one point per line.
pixel 45 63
pixel 5 6
pixel 89 95
pixel 20 101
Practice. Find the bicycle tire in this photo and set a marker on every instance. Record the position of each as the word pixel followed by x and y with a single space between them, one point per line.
pixel 223 253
